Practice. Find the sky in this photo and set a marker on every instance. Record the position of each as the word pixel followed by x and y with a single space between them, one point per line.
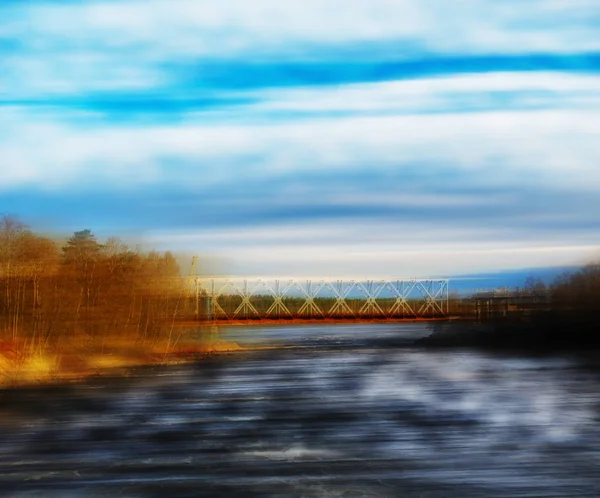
pixel 396 138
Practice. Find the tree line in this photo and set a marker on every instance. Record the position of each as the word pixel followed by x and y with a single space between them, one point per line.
pixel 578 291
pixel 567 320
pixel 84 291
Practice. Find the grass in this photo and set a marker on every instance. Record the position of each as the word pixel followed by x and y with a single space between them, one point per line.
pixel 84 357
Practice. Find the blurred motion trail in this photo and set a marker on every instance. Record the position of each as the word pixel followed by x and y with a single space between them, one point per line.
pixel 344 410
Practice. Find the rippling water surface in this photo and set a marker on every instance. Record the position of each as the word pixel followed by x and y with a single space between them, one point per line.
pixel 343 410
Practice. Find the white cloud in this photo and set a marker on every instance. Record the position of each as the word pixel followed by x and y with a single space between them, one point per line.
pixel 209 26
pixel 103 44
pixel 437 94
pixel 557 148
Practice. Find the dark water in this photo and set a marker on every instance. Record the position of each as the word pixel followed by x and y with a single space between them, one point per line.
pixel 351 411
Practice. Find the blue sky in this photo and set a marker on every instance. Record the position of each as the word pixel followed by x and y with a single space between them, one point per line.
pixel 405 138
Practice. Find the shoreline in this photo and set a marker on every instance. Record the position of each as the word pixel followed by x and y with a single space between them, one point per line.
pixel 543 332
pixel 70 366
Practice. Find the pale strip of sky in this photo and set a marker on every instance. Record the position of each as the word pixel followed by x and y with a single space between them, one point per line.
pixel 403 261
pixel 376 250
pixel 359 235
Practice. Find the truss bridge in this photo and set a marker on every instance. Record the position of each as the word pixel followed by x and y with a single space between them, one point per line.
pixel 294 298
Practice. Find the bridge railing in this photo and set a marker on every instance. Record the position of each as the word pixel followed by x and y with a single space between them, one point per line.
pixel 263 298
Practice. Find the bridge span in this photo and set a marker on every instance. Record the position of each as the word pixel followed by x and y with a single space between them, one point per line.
pixel 320 298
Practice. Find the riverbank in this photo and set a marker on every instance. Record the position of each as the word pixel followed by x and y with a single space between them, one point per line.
pixel 76 361
pixel 548 331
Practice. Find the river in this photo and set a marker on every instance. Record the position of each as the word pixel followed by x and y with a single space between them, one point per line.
pixel 334 410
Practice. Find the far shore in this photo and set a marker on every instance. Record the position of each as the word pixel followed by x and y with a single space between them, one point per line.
pixel 546 331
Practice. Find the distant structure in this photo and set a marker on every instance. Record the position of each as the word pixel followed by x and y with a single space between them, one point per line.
pixel 267 298
pixel 503 301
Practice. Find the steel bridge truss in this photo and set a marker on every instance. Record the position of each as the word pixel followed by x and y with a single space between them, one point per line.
pixel 234 299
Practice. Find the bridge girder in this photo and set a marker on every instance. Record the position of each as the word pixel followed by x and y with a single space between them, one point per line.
pixel 264 298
